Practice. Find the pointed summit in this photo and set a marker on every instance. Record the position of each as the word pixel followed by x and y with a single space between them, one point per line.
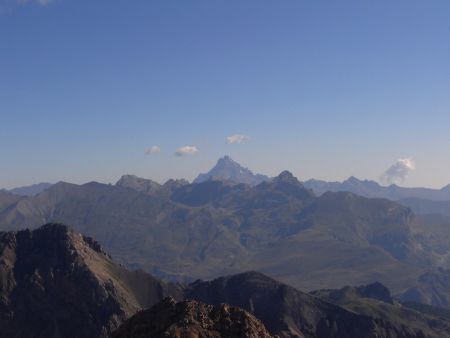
pixel 352 180
pixel 227 169
pixel 286 176
pixel 227 160
pixel 289 184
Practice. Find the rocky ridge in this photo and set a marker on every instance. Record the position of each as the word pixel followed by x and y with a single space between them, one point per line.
pixel 190 318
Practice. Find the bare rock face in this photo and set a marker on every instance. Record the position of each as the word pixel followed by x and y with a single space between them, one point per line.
pixel 56 283
pixel 192 319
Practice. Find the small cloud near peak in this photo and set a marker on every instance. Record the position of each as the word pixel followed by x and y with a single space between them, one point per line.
pixel 398 172
pixel 238 138
pixel 152 150
pixel 186 150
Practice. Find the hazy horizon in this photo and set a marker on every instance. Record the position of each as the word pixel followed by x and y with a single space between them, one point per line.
pixel 190 179
pixel 93 90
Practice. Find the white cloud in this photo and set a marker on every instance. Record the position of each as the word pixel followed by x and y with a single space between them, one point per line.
pixel 237 139
pixel 152 150
pixel 187 150
pixel 399 171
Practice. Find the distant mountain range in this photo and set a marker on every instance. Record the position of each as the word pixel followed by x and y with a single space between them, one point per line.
pixel 421 200
pixel 186 231
pixel 228 170
pixel 59 283
pixel 182 231
pixel 374 190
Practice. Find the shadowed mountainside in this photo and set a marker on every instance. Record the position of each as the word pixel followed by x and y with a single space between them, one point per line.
pixel 58 283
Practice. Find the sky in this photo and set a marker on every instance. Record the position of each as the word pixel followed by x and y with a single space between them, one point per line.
pixel 93 89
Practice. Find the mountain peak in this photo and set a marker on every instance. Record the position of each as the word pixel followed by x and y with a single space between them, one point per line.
pixel 227 159
pixel 353 180
pixel 229 170
pixel 286 176
pixel 289 184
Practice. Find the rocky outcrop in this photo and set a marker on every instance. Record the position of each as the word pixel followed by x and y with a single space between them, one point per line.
pixel 189 318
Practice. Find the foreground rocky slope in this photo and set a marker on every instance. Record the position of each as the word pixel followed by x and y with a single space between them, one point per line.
pixel 55 282
pixel 58 283
pixel 169 319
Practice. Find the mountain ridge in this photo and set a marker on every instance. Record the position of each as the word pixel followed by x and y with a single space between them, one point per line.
pixel 213 228
pixel 31 190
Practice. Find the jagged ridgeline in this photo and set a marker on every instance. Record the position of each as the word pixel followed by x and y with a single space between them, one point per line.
pixel 181 231
pixel 56 282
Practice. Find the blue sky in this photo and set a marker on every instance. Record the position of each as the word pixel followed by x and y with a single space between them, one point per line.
pixel 326 89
